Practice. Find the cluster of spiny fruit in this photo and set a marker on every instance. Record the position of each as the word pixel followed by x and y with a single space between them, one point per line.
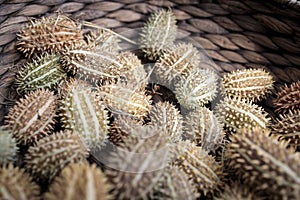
pixel 81 95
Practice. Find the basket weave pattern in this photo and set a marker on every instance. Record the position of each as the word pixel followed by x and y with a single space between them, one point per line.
pixel 235 34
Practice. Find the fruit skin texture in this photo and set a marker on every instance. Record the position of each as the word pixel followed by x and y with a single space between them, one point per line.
pixel 288 98
pixel 167 116
pixel 53 153
pixel 175 184
pixel 89 64
pixel 201 168
pixel 158 34
pixel 237 191
pixel 251 84
pixel 79 181
pixel 82 113
pixel 287 127
pixel 197 89
pixel 8 146
pixel 122 127
pixel 42 72
pixel 135 168
pixel 16 184
pixel 176 63
pixel 49 34
pixel 32 117
pixel 264 163
pixel 204 128
pixel 119 98
pixel 103 40
pixel 237 113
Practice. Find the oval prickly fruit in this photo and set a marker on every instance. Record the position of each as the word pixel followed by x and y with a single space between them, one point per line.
pixel 176 63
pixel 32 117
pixel 288 98
pixel 8 146
pixel 201 168
pixel 95 65
pixel 53 153
pixel 50 34
pixel 158 34
pixel 136 167
pixel 287 127
pixel 264 163
pixel 43 72
pixel 79 181
pixel 81 112
pixel 197 89
pixel 88 64
pixel 16 184
pixel 204 128
pixel 121 99
pixel 252 84
pixel 237 113
pixel 167 116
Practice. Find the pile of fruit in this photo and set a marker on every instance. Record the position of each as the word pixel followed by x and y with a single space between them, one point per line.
pixel 91 123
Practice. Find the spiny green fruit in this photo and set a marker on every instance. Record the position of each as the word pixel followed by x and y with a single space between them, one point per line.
pixel 287 127
pixel 204 128
pixel 49 34
pixel 79 181
pixel 167 116
pixel 16 184
pixel 196 89
pixel 53 153
pixel 104 40
pixel 288 98
pixel 122 127
pixel 237 191
pixel 81 112
pixel 237 113
pixel 176 63
pixel 8 146
pixel 175 184
pixel 201 168
pixel 122 99
pixel 42 72
pixel 32 117
pixel 135 168
pixel 252 84
pixel 264 163
pixel 158 34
